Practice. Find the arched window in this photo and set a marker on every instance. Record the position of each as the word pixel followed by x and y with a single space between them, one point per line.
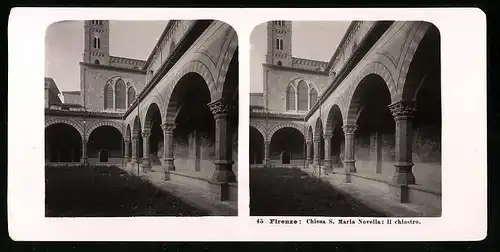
pixel 302 96
pixel 314 97
pixel 279 63
pixel 290 98
pixel 354 47
pixel 172 47
pixel 131 96
pixel 120 94
pixel 108 97
pixel 96 62
pixel 97 42
pixel 281 44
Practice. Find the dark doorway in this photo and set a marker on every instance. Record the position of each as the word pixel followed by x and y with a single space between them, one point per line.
pixel 103 156
pixel 285 157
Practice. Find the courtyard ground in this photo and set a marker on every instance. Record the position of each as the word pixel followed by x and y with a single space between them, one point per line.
pixel 293 192
pixel 99 191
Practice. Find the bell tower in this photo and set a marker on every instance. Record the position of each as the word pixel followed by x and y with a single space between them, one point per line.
pixel 96 44
pixel 279 43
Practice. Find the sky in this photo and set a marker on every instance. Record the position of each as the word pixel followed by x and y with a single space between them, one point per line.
pixel 64 47
pixel 135 39
pixel 315 40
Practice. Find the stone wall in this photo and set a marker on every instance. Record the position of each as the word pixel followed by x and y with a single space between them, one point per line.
pixel 96 78
pixel 277 81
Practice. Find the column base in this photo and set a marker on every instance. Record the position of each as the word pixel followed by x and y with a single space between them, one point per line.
pixel 168 164
pixel 267 162
pixel 223 172
pixel 327 166
pixel 197 166
pixel 146 165
pixel 84 161
pixel 348 178
pixel 349 166
pixel 403 174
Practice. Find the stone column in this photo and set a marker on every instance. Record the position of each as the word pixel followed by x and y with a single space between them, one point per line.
pixel 135 144
pixel 327 166
pixel 267 148
pixel 349 160
pixel 146 164
pixel 308 151
pixel 223 143
pixel 168 148
pixel 84 152
pixel 127 149
pixel 195 151
pixel 403 113
pixel 376 151
pixel 317 155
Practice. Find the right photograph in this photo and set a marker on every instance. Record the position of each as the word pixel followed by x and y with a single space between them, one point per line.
pixel 345 119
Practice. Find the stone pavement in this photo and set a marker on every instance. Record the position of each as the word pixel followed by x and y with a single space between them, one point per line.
pixel 191 195
pixel 375 197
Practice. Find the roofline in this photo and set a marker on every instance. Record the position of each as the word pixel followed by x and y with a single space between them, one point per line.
pixel 342 41
pixel 122 69
pixel 111 56
pixel 371 38
pixel 287 68
pixel 158 43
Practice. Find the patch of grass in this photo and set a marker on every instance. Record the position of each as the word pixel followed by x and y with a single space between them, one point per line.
pixel 100 191
pixel 292 192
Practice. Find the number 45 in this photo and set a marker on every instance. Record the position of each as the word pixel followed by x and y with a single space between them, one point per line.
pixel 260 221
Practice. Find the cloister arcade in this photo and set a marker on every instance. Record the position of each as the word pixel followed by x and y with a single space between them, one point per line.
pixel 382 117
pixel 183 124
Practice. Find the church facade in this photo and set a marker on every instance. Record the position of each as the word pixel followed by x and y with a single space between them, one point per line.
pixel 174 113
pixel 371 115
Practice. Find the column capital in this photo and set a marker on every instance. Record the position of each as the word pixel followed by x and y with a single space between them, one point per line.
pixel 309 141
pixel 349 128
pixel 168 127
pixel 127 140
pixel 221 108
pixel 328 136
pixel 403 109
pixel 267 142
pixel 316 140
pixel 146 134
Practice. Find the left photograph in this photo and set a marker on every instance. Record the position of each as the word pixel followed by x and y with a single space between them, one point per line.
pixel 141 118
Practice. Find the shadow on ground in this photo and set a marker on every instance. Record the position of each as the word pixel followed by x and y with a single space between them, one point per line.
pixel 100 191
pixel 293 192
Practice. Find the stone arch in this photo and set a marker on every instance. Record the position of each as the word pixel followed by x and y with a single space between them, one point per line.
pixel 318 128
pixel 147 121
pixel 426 41
pixel 228 57
pixel 193 67
pixel 374 68
pixel 260 129
pixel 136 125
pixel 171 105
pixel 100 123
pixel 310 133
pixel 421 29
pixel 285 125
pixel 70 122
pixel 331 120
pixel 128 132
pixel 157 99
